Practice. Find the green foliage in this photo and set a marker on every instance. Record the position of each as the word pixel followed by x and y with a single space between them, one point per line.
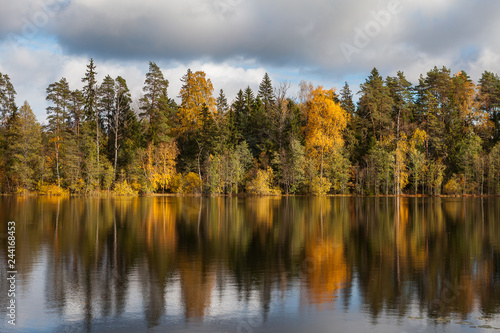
pixel 375 106
pixel 155 105
pixel 435 176
pixel 380 162
pixel 494 170
pixel 338 172
pixel 398 139
pixel 107 175
pixel 290 166
pixel 8 106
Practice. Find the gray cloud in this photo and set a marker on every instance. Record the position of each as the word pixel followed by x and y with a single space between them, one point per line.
pixel 299 36
pixel 275 33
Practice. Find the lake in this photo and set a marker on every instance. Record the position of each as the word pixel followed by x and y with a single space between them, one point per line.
pixel 255 264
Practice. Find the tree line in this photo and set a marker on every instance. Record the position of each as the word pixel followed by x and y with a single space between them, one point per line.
pixel 440 136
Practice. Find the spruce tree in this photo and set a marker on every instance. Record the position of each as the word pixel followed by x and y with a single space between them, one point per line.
pixel 26 148
pixel 92 115
pixel 8 106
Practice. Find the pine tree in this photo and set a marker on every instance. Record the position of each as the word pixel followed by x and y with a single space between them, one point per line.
pixel 8 112
pixel 118 117
pixel 106 103
pixel 489 99
pixel 76 112
pixel 8 106
pixel 400 92
pixel 59 94
pixel 155 105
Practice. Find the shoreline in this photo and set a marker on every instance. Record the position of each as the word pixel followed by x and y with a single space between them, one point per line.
pixel 104 194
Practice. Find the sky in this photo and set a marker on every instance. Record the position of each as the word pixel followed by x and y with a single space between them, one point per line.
pixel 235 42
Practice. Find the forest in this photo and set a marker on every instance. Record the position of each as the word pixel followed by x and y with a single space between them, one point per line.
pixel 439 136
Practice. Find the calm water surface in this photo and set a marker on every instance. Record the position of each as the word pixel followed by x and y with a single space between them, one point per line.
pixel 182 264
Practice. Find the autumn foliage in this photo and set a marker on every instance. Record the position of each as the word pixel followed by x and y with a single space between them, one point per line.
pixel 438 136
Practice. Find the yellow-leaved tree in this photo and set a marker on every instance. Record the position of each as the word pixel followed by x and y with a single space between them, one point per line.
pixel 325 122
pixel 196 91
pixel 158 165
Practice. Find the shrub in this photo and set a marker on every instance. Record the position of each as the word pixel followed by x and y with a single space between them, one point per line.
pixel 52 189
pixel 261 184
pixel 320 186
pixel 124 189
pixel 453 185
pixel 190 184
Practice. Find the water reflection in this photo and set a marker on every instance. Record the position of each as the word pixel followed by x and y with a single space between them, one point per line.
pixel 215 262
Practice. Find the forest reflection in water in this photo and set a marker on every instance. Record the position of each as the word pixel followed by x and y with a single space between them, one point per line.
pixel 97 264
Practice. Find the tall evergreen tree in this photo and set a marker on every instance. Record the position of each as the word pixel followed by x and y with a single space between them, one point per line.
pixel 489 99
pixel 59 94
pixel 26 148
pixel 7 98
pixel 76 111
pixel 400 90
pixel 351 130
pixel 266 94
pixel 118 117
pixel 155 105
pixel 375 105
pixel 106 103
pixel 224 122
pixel 240 115
pixel 91 111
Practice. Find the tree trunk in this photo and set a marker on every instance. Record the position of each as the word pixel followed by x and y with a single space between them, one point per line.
pixel 116 142
pixel 57 162
pixel 200 149
pixel 97 146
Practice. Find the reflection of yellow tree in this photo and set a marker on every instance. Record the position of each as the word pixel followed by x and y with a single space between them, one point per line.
pixel 197 283
pixel 325 263
pixel 160 226
pixel 262 209
pixel 326 270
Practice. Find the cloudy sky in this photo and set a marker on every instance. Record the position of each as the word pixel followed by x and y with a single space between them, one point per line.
pixel 236 41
